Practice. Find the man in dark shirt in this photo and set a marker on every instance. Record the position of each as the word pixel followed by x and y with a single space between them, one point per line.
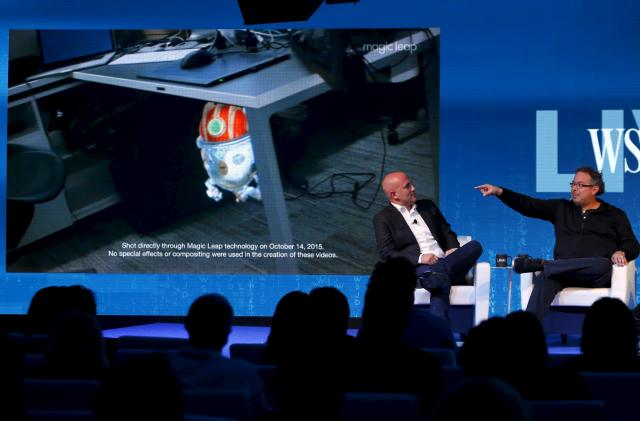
pixel 591 235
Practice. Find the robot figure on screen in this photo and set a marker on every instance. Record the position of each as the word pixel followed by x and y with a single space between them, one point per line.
pixel 227 153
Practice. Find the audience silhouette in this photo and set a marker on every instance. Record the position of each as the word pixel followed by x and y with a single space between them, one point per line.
pixel 425 330
pixel 329 316
pixel 514 349
pixel 505 359
pixel 307 333
pixel 609 339
pixel 145 388
pixel 482 398
pixel 201 364
pixel 330 344
pixel 316 377
pixel 12 401
pixel 288 336
pixel 384 362
pixel 48 305
pixel 76 348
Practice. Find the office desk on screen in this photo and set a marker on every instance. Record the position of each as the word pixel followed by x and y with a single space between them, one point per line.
pixel 262 93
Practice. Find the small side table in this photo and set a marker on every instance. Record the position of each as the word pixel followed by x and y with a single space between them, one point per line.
pixel 503 274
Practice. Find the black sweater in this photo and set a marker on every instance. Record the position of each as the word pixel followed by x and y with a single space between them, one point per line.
pixel 598 232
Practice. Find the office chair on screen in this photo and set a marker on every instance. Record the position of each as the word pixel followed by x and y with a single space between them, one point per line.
pixel 397 92
pixel 33 176
pixel 380 78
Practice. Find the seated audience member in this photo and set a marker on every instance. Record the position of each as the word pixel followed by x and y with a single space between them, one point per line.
pixel 485 351
pixel 609 338
pixel 76 348
pixel 426 330
pixel 317 379
pixel 144 388
pixel 329 316
pixel 49 304
pixel 12 402
pixel 289 328
pixel 329 320
pixel 384 363
pixel 482 399
pixel 529 358
pixel 201 364
pixel 287 348
pixel 514 349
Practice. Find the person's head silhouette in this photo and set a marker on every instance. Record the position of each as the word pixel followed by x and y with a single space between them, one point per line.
pixel 329 313
pixel 388 300
pixel 209 321
pixel 609 336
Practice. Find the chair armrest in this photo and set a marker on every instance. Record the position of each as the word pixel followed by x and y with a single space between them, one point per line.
pixel 623 283
pixel 526 287
pixel 481 282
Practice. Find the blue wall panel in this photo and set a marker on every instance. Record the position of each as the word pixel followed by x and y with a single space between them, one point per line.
pixel 500 65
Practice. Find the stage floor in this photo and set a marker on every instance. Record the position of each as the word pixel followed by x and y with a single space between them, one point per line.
pixel 258 334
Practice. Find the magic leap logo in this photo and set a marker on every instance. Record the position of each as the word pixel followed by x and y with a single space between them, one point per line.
pixel 616 150
pixel 390 48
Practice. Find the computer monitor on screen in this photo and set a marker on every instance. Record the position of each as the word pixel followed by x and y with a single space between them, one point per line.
pixel 62 47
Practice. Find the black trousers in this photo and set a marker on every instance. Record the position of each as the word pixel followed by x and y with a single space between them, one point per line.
pixel 585 272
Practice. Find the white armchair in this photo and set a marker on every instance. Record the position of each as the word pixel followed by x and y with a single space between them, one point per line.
pixel 623 286
pixel 476 295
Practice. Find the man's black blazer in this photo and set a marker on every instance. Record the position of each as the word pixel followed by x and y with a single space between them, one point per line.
pixel 394 238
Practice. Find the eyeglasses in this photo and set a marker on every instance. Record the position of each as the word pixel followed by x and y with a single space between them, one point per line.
pixel 580 185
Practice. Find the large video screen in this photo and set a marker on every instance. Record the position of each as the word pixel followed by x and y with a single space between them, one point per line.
pixel 252 173
pixel 522 87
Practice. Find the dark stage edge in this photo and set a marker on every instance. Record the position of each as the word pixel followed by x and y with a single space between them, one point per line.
pixel 258 334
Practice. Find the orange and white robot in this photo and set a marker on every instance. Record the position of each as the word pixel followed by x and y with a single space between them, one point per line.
pixel 227 152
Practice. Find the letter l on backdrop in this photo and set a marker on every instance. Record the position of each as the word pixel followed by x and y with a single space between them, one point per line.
pixel 548 179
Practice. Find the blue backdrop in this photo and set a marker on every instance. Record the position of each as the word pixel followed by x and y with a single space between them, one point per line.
pixel 500 65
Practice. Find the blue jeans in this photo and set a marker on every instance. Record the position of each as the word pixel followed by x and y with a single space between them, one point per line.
pixel 455 266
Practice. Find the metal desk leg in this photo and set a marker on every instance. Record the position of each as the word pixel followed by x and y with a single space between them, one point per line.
pixel 271 184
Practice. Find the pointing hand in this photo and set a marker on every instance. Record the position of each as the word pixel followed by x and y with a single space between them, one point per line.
pixel 489 190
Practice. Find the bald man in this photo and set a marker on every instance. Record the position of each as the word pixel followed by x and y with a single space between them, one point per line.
pixel 417 230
